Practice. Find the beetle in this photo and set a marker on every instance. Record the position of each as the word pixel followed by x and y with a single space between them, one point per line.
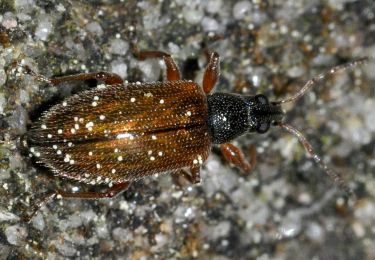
pixel 120 132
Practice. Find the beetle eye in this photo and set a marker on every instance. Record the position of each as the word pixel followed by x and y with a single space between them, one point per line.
pixel 261 99
pixel 263 127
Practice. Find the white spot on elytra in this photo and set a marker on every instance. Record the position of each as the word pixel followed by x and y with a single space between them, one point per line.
pixel 73 131
pixel 102 117
pixel 149 152
pixel 94 104
pixel 124 135
pixel 76 118
pixel 76 126
pixel 98 166
pixel 153 137
pixel 96 98
pixel 64 104
pixel 113 170
pixel 132 100
pixel 54 146
pixel 49 136
pixel 71 161
pixel 152 158
pixel 59 131
pixel 149 94
pixel 44 126
pixel 70 144
pixel 160 153
pixel 89 126
pixel 58 152
pixel 90 153
pixel 188 113
pixel 161 101
pixel 195 161
pixel 119 158
pixel 116 150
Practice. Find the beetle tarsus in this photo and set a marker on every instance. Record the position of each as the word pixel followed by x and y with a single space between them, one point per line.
pixel 36 206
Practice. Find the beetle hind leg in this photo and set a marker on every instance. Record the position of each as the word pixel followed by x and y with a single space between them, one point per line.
pixel 111 192
pixel 107 77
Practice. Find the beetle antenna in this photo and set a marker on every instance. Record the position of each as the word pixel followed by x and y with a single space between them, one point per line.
pixel 309 149
pixel 312 82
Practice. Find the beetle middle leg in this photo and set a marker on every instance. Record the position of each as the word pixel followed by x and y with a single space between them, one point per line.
pixel 234 155
pixel 193 177
pixel 173 73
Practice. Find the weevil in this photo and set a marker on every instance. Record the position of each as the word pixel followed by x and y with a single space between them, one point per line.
pixel 118 133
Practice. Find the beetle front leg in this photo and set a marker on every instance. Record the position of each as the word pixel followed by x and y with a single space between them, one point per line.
pixel 173 73
pixel 211 74
pixel 234 155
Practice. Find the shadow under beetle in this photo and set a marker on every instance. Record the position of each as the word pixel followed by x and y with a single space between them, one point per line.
pixel 120 132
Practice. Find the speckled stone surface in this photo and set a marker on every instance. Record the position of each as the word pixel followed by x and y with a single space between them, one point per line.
pixel 286 209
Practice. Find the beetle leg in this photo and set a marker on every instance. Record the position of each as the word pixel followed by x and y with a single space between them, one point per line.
pixel 110 193
pixel 195 174
pixel 211 74
pixel 193 177
pixel 173 73
pixel 106 77
pixel 234 155
pixel 115 190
